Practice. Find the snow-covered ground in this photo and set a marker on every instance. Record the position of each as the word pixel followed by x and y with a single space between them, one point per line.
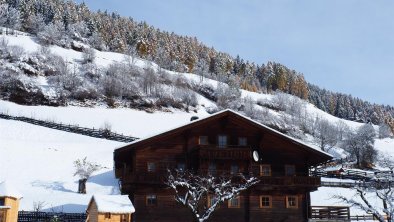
pixel 38 161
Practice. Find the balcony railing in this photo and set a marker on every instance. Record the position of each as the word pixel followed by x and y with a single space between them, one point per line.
pixel 227 152
pixel 290 181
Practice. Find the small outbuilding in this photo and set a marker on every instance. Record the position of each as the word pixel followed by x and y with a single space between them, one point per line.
pixel 9 203
pixel 110 208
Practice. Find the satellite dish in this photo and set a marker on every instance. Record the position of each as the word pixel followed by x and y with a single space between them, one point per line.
pixel 256 155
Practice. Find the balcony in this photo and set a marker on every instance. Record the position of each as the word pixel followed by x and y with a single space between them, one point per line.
pixel 223 153
pixel 146 178
pixel 290 181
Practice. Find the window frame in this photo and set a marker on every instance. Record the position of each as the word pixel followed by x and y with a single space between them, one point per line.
pixel 147 197
pixel 178 166
pixel 295 200
pixel 241 138
pixel 229 202
pixel 261 170
pixel 149 168
pixel 219 140
pixel 287 166
pixel 203 144
pixel 212 168
pixel 233 166
pixel 269 201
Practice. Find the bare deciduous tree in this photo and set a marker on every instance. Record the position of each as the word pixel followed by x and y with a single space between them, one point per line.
pixel 84 169
pixel 192 190
pixel 326 134
pixel 383 192
pixel 360 145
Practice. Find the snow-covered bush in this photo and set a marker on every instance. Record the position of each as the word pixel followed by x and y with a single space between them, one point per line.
pixel 15 53
pixel 88 55
pixel 228 96
pixel 51 34
pixel 384 131
pixel 187 97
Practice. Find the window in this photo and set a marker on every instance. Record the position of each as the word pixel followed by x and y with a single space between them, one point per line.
pixel 265 170
pixel 203 140
pixel 107 215
pixel 151 167
pixel 2 201
pixel 181 167
pixel 290 170
pixel 291 201
pixel 211 200
pixel 151 200
pixel 222 140
pixel 234 203
pixel 234 169
pixel 242 141
pixel 265 201
pixel 212 169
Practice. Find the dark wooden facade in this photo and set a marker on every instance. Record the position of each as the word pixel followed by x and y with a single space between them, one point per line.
pixel 141 167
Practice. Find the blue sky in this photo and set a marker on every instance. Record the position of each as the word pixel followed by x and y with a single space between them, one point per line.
pixel 342 45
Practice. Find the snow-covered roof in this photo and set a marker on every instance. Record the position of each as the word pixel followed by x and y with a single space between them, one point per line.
pixel 120 204
pixel 6 190
pixel 312 147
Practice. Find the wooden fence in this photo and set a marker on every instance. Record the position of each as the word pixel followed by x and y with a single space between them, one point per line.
pixel 34 216
pixel 330 213
pixel 97 133
pixel 368 217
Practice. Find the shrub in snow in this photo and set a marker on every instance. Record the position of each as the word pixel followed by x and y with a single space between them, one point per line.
pixel 15 53
pixel 51 34
pixel 84 169
pixel 88 55
pixel 384 131
pixel 206 90
pixel 96 41
pixel 187 97
pixel 228 96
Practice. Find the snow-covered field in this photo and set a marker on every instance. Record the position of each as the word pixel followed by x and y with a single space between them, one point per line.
pixel 39 162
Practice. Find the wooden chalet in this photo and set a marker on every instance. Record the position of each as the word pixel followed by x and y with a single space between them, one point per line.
pixel 110 208
pixel 221 143
pixel 9 203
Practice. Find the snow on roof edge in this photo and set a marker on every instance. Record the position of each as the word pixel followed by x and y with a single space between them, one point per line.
pixel 120 204
pixel 315 148
pixel 6 190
